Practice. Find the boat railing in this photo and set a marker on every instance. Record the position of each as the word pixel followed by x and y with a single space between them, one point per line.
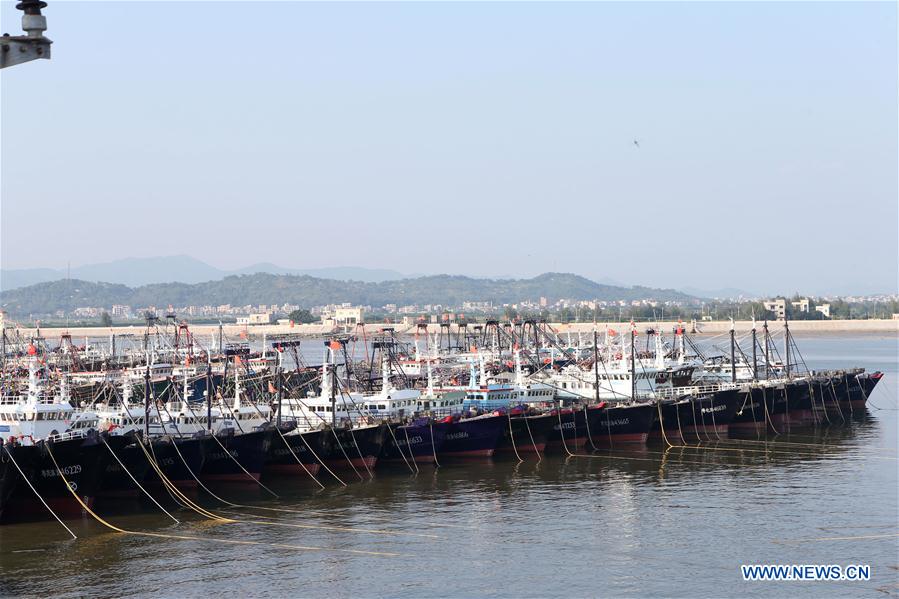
pixel 668 392
pixel 68 435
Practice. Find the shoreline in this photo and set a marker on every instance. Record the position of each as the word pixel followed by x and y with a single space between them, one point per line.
pixel 871 326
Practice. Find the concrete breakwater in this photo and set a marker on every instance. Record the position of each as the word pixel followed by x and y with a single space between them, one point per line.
pixel 205 332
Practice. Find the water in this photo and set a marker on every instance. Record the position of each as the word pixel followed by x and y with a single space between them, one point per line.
pixel 648 522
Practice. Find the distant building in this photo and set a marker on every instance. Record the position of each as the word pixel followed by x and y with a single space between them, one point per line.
pixel 344 316
pixel 121 311
pixel 778 306
pixel 823 309
pixel 543 302
pixel 477 306
pixel 256 318
pixel 802 305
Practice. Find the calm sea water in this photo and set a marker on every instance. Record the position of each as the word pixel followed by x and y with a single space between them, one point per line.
pixel 647 522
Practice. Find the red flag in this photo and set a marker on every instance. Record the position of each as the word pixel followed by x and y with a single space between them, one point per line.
pixel 271 388
pixel 335 345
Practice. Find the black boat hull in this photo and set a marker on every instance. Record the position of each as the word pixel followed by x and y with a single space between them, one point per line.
pixel 475 437
pixel 293 454
pixel 236 457
pixel 417 441
pixel 354 449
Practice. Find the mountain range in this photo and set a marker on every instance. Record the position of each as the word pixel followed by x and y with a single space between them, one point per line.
pixel 136 272
pixel 307 291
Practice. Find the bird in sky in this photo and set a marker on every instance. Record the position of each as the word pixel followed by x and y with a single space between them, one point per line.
pixel 637 143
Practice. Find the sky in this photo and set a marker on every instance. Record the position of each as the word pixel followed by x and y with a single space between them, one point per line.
pixel 481 139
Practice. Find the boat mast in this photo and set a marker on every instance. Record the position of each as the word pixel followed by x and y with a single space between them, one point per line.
pixel 767 358
pixel 733 353
pixel 278 388
pixel 755 364
pixel 333 370
pixel 209 394
pixel 596 365
pixel 633 364
pixel 787 343
pixel 147 402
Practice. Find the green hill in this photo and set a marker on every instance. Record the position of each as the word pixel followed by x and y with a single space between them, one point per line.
pixel 260 288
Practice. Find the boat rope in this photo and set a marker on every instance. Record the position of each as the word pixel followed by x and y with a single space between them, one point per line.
pixel 680 429
pixel 239 465
pixel 343 451
pixel 409 445
pixel 267 522
pixel 172 488
pixel 298 460
pixel 134 480
pixel 197 478
pixel 433 444
pixel 346 408
pixel 697 405
pixel 823 406
pixel 848 396
pixel 359 452
pixel 755 422
pixel 228 453
pixel 396 444
pixel 512 435
pixel 562 431
pixel 787 406
pixel 865 393
pixel 587 423
pixel 115 528
pixel 714 424
pixel 767 412
pixel 607 410
pixel 154 463
pixel 320 461
pixel 527 425
pixel 216 517
pixel 811 397
pixel 662 422
pixel 38 495
pixel 836 400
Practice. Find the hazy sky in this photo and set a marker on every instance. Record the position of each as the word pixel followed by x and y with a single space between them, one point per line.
pixel 480 139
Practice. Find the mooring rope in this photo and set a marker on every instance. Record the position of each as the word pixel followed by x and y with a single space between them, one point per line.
pixel 836 401
pixel 320 461
pixel 134 480
pixel 299 461
pixel 172 488
pixel 587 423
pixel 409 445
pixel 767 412
pixel 512 436
pixel 115 528
pixel 38 495
pixel 345 455
pixel 433 444
pixel 396 444
pixel 528 426
pixel 562 431
pixel 662 422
